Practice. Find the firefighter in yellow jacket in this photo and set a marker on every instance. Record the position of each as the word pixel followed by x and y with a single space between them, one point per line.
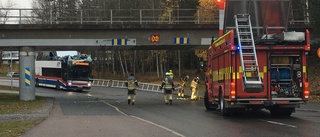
pixel 132 85
pixel 194 88
pixel 171 74
pixel 183 82
pixel 168 86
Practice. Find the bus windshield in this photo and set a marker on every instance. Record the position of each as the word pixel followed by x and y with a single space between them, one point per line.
pixel 80 73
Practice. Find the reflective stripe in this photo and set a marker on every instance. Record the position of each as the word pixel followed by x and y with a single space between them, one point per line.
pixel 131 84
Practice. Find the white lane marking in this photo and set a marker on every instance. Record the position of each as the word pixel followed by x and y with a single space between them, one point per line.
pixel 165 128
pixel 278 123
pixel 115 108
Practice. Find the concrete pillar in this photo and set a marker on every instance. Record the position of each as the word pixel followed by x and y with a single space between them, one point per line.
pixel 27 70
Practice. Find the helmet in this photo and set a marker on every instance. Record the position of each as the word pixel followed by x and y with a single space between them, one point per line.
pixel 197 78
pixel 167 74
pixel 170 70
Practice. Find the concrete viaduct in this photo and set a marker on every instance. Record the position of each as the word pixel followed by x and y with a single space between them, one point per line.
pixel 28 38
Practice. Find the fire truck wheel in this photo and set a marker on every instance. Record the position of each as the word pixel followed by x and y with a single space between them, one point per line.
pixel 58 85
pixel 223 110
pixel 37 82
pixel 207 103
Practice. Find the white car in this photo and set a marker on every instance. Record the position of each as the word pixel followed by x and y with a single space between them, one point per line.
pixel 13 74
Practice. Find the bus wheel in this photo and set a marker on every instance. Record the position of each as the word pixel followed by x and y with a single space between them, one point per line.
pixel 37 82
pixel 58 85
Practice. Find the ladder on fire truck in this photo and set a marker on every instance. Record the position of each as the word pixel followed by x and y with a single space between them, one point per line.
pixel 248 56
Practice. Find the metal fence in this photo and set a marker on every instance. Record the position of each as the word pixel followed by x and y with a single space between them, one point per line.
pixel 115 16
pixel 121 84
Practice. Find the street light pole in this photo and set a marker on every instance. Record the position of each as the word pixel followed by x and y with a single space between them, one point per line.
pixel 11 69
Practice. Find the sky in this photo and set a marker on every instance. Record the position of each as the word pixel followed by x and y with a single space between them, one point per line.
pixel 64 53
pixel 18 3
pixel 27 4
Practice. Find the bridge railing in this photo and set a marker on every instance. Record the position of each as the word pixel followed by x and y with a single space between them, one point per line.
pixel 114 16
pixel 107 16
pixel 121 84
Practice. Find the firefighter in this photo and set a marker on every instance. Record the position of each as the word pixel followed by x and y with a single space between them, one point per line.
pixel 183 81
pixel 132 85
pixel 171 74
pixel 194 88
pixel 168 86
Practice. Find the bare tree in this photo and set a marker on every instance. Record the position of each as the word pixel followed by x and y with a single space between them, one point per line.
pixel 5 11
pixel 121 64
pixel 55 11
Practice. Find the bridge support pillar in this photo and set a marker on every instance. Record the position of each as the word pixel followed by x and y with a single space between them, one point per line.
pixel 27 70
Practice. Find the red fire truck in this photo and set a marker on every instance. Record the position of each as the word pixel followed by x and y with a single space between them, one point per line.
pixel 249 71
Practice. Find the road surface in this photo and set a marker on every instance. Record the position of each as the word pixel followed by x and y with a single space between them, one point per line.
pixel 104 112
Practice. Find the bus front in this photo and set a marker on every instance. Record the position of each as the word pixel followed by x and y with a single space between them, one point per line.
pixel 79 75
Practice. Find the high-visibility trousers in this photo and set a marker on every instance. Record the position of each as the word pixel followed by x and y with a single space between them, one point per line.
pixel 167 95
pixel 132 95
pixel 181 90
pixel 193 93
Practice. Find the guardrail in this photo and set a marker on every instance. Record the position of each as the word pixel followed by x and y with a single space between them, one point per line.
pixel 121 84
pixel 113 16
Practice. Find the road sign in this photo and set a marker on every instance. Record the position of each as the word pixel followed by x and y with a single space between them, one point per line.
pixel 119 42
pixel 155 38
pixel 181 40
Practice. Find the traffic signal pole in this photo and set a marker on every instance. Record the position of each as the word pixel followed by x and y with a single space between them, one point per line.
pixel 221 4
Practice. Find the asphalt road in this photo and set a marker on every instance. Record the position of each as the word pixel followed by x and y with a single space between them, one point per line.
pixel 105 112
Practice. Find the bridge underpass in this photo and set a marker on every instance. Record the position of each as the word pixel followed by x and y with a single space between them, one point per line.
pixel 29 38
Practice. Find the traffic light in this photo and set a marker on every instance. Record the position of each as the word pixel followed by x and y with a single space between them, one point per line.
pixel 220 3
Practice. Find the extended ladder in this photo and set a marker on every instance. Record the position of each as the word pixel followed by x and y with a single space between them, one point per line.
pixel 121 84
pixel 248 56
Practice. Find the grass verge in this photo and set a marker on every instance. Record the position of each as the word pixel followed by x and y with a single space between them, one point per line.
pixel 8 88
pixel 17 128
pixel 10 104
